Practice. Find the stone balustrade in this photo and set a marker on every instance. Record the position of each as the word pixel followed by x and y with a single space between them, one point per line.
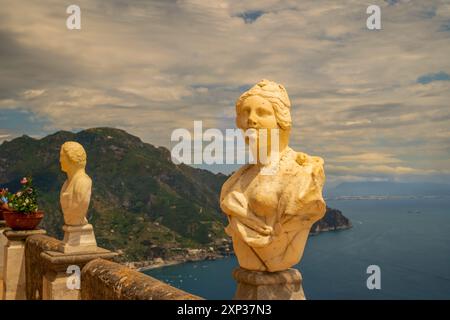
pixel 34 269
pixel 102 279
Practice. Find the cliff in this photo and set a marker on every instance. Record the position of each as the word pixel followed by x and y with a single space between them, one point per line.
pixel 143 206
pixel 332 221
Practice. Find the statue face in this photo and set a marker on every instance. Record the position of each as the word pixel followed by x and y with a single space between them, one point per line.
pixel 64 160
pixel 256 112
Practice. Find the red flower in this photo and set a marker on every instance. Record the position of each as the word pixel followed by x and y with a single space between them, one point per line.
pixel 24 180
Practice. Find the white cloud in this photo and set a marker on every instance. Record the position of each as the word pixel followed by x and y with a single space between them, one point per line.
pixel 31 94
pixel 370 157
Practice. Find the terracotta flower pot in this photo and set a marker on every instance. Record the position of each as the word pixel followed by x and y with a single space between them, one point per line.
pixel 3 208
pixel 21 221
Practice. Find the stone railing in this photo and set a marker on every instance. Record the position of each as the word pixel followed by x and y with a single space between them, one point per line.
pixel 34 269
pixel 102 279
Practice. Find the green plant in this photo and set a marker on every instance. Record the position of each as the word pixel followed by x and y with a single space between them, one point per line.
pixel 25 200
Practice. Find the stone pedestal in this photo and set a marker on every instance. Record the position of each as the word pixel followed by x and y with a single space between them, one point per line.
pixel 78 239
pixel 63 271
pixel 258 285
pixel 14 278
pixel 3 241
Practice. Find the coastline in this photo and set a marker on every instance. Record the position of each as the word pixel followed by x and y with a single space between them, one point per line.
pixel 191 255
pixel 174 262
pixel 160 265
pixel 330 229
pixel 197 255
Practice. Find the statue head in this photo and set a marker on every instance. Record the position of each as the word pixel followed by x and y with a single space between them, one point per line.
pixel 72 156
pixel 265 106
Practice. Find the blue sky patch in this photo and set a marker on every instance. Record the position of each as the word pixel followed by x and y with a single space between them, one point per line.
pixel 251 15
pixel 18 122
pixel 439 76
pixel 445 27
pixel 391 2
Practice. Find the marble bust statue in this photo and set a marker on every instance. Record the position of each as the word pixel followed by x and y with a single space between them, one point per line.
pixel 270 216
pixel 74 198
pixel 76 190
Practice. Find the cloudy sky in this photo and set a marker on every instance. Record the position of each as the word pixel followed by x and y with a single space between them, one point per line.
pixel 374 104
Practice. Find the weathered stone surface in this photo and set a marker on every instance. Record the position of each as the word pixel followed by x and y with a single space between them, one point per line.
pixel 59 261
pixel 55 287
pixel 3 241
pixel 261 285
pixel 78 239
pixel 34 267
pixel 14 274
pixel 56 276
pixel 271 205
pixel 18 235
pixel 106 280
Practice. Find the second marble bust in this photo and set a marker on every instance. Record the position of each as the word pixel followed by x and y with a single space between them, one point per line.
pixel 75 197
pixel 76 190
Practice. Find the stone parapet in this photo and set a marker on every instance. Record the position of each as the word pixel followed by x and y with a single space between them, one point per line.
pixel 14 274
pixel 3 241
pixel 63 270
pixel 34 266
pixel 106 280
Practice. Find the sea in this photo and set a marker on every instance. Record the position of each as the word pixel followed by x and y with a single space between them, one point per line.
pixel 407 239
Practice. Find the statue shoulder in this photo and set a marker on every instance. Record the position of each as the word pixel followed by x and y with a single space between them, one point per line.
pixel 304 159
pixel 83 183
pixel 314 163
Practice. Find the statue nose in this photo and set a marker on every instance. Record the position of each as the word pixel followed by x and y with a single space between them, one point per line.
pixel 251 122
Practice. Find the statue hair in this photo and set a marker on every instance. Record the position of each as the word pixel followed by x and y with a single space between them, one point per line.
pixel 75 152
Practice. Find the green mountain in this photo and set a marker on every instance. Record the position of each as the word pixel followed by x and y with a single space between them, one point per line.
pixel 142 204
